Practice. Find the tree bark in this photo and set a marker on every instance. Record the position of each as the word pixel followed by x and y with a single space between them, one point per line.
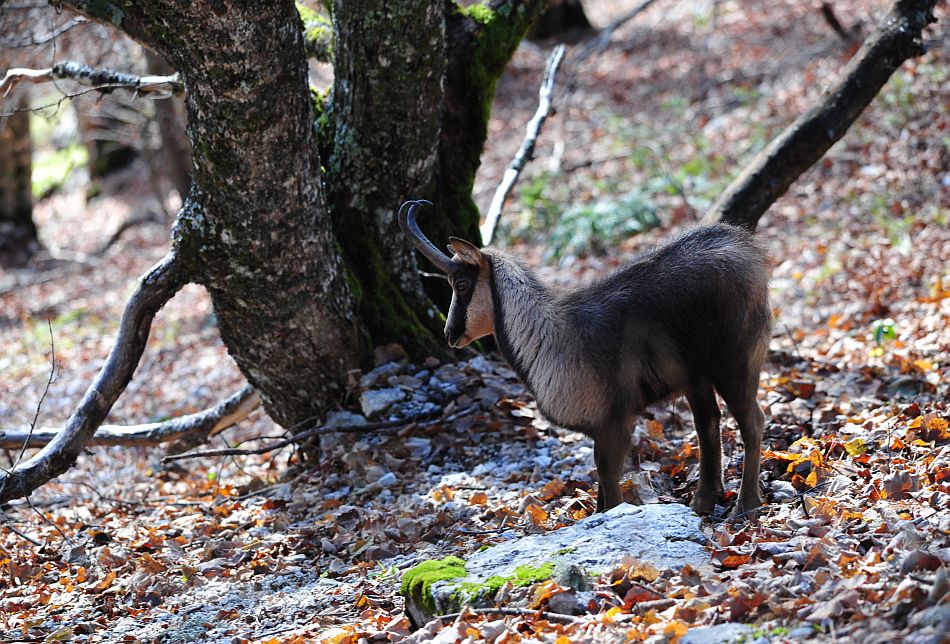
pixel 767 177
pixel 255 230
pixel 410 120
pixel 18 239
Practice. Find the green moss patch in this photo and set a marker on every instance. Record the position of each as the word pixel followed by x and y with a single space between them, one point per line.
pixel 523 576
pixel 417 581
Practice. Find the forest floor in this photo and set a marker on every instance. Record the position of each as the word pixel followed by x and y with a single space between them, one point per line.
pixel 853 545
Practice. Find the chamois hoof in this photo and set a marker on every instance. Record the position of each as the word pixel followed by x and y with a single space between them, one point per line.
pixel 705 504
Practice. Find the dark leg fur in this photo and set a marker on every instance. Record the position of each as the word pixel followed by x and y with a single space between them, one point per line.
pixel 706 415
pixel 745 409
pixel 610 452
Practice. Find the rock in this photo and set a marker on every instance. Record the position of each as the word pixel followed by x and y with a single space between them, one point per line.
pixel 718 634
pixel 380 373
pixel 666 536
pixel 418 446
pixel 344 419
pixel 375 402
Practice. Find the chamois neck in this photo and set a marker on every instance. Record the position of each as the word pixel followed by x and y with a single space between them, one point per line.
pixel 525 324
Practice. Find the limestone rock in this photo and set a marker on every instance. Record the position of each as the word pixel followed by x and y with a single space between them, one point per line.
pixel 666 536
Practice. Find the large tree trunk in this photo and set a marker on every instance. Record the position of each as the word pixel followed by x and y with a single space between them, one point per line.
pixel 17 230
pixel 409 120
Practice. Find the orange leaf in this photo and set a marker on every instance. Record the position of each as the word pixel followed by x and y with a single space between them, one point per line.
pixel 105 583
pixel 479 498
pixel 537 514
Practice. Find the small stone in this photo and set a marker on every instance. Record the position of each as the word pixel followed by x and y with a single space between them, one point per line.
pixel 418 446
pixel 389 353
pixel 344 419
pixel 379 374
pixel 375 402
pixel 566 603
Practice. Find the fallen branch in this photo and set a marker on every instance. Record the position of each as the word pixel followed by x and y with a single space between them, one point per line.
pixel 527 146
pixel 562 618
pixel 155 288
pixel 100 79
pixel 302 436
pixel 897 38
pixel 213 420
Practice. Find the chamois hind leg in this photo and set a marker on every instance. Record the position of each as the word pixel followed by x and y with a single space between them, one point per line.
pixel 610 452
pixel 706 416
pixel 745 409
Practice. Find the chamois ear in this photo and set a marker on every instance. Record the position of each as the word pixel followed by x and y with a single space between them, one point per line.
pixel 466 251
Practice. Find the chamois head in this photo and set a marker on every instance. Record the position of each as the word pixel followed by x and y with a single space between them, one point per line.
pixel 471 314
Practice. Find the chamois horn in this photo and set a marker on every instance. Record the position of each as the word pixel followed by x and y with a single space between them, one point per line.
pixel 407 221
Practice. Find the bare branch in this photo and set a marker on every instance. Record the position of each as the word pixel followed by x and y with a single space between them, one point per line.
pixel 213 420
pixel 155 288
pixel 99 79
pixel 527 146
pixel 24 442
pixel 828 13
pixel 767 177
pixel 302 436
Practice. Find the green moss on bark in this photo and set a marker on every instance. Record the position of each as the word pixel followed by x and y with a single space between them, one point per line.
pixel 317 32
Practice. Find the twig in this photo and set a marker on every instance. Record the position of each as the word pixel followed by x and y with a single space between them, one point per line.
pixel 517 612
pixel 213 420
pixel 527 146
pixel 49 521
pixel 828 13
pixel 299 437
pixel 39 405
pixel 98 79
pixel 6 520
pixel 599 41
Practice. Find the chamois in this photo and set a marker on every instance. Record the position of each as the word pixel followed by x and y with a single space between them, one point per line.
pixel 689 317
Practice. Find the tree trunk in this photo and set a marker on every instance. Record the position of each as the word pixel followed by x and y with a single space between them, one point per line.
pixel 410 121
pixel 256 230
pixel 173 158
pixel 17 230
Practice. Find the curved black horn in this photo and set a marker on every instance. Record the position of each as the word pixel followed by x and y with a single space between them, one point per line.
pixel 407 221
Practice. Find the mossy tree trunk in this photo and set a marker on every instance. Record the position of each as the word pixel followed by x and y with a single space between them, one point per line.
pixel 408 117
pixel 291 227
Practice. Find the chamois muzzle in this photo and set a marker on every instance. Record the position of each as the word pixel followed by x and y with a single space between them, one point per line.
pixel 407 221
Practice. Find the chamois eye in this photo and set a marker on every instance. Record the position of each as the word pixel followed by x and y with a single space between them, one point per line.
pixel 461 285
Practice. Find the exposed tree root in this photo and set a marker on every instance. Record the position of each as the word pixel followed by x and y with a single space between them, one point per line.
pixel 208 422
pixel 155 288
pixel 897 37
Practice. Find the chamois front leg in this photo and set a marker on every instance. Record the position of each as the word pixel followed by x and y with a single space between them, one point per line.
pixel 610 451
